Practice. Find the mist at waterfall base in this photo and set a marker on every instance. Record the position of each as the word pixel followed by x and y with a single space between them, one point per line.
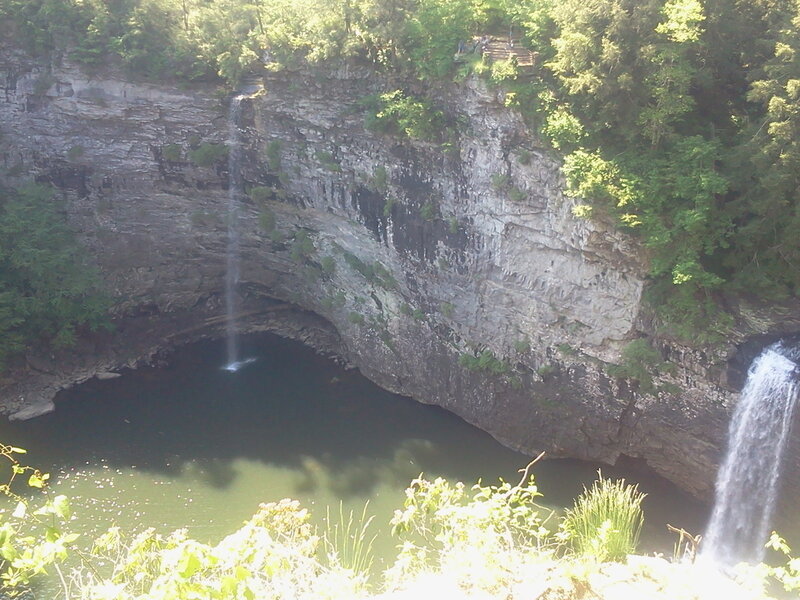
pixel 190 446
pixel 748 480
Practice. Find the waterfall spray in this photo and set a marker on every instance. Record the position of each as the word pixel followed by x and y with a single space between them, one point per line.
pixel 747 482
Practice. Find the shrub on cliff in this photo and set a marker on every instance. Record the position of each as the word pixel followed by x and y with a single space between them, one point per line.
pixel 206 155
pixel 397 113
pixel 48 290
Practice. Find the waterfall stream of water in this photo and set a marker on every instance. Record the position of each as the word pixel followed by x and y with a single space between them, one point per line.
pixel 747 482
pixel 232 267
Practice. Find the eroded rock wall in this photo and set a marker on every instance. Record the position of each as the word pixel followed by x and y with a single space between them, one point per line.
pixel 417 255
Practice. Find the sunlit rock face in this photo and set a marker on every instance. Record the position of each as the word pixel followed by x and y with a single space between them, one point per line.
pixel 416 255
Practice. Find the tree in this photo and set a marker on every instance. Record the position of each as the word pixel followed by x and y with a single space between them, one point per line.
pixel 47 289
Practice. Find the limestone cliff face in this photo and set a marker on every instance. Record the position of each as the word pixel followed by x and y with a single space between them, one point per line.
pixel 414 255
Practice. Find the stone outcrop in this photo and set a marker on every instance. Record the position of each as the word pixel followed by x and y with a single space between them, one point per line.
pixel 418 257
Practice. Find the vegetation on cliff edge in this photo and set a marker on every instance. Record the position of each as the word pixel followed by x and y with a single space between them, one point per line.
pixel 678 119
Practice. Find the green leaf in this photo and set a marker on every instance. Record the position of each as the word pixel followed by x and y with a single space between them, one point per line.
pixel 8 552
pixel 52 534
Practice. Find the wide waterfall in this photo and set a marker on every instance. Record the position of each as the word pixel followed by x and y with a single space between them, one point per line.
pixel 234 197
pixel 747 482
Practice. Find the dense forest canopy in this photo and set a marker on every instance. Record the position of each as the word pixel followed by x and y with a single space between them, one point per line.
pixel 679 119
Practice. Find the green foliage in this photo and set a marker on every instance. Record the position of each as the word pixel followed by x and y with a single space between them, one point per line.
pixel 338 300
pixel 397 113
pixel 311 273
pixel 75 153
pixel 486 362
pixel 31 540
pixel 375 273
pixel 379 182
pixel 328 265
pixel 523 346
pixel 383 277
pixel 386 338
pixel 302 247
pixel 452 225
pixel 262 194
pixel 195 39
pixel 789 574
pixel 432 32
pixel 359 266
pixel 503 70
pixel 545 370
pixel 328 161
pixel 266 219
pixel 206 155
pixel 47 291
pixel 447 309
pixel 500 182
pixel 387 207
pixel 672 147
pixel 273 155
pixel 172 152
pixel 640 362
pixel 605 521
pixel 428 211
pixel 201 218
pixel 516 195
pixel 356 318
pixel 273 555
pixel 473 534
pixel 567 350
pixel 43 83
pixel 563 129
pixel 679 118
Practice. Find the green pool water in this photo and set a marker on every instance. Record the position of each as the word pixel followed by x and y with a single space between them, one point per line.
pixel 192 445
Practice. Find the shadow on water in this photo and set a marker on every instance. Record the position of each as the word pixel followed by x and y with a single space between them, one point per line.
pixel 323 430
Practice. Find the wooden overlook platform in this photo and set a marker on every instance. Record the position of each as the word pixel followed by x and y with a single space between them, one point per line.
pixel 503 47
pixel 500 48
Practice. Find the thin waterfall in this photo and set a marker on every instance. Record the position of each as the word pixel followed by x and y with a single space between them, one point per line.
pixel 747 482
pixel 232 268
